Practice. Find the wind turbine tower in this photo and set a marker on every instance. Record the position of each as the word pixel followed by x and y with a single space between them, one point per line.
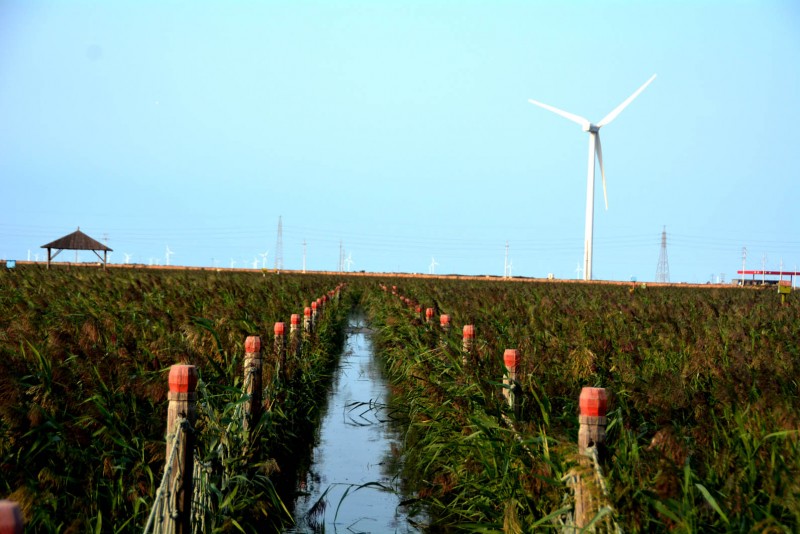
pixel 662 271
pixel 279 246
pixel 168 254
pixel 594 151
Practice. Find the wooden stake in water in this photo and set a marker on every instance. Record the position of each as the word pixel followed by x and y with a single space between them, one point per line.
pixel 252 381
pixel 592 433
pixel 10 518
pixel 182 400
pixel 511 359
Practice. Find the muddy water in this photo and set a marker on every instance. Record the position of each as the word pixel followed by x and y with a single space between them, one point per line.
pixel 352 485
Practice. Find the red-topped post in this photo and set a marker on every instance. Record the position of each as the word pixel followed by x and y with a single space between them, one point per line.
pixel 280 348
pixel 468 341
pixel 594 404
pixel 428 315
pixel 182 400
pixel 511 359
pixel 294 336
pixel 252 381
pixel 444 321
pixel 308 320
pixel 10 518
pixel 592 433
pixel 314 315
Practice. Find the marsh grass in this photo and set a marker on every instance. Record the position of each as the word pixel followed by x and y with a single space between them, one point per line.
pixel 702 435
pixel 84 356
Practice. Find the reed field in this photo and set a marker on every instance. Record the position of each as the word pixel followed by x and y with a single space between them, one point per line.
pixel 702 428
pixel 702 431
pixel 84 358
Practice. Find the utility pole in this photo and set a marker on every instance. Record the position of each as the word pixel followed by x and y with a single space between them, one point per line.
pixel 279 246
pixel 505 264
pixel 744 259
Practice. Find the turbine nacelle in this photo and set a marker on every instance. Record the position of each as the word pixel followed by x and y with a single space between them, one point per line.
pixel 591 128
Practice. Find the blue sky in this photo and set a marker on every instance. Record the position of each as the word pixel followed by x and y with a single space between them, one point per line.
pixel 403 131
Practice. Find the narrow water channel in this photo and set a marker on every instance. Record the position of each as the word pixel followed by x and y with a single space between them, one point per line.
pixel 352 485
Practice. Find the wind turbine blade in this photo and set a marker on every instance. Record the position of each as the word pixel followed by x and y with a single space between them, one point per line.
pixel 599 150
pixel 567 115
pixel 613 115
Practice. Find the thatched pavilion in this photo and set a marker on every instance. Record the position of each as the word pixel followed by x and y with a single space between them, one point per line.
pixel 77 240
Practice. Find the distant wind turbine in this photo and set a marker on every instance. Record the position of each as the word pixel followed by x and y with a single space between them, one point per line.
pixel 264 259
pixel 255 262
pixel 594 149
pixel 167 255
pixel 127 257
pixel 349 261
pixel 233 263
pixel 432 266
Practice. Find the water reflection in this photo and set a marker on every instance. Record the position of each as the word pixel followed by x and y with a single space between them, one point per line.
pixel 352 485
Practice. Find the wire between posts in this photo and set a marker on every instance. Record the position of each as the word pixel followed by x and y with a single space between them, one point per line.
pixel 605 512
pixel 162 493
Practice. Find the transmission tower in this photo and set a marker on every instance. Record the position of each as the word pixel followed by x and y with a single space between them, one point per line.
pixel 662 272
pixel 279 246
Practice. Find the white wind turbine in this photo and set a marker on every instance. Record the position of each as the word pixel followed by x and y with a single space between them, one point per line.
pixel 167 254
pixel 264 259
pixel 349 262
pixel 594 148
pixel 432 266
pixel 127 257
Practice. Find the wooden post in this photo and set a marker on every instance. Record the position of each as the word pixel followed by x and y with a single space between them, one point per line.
pixel 252 381
pixel 182 400
pixel 294 336
pixel 444 321
pixel 307 320
pixel 10 518
pixel 468 342
pixel 314 315
pixel 594 405
pixel 511 359
pixel 428 315
pixel 280 348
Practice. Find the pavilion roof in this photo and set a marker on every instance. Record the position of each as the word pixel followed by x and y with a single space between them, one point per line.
pixel 77 240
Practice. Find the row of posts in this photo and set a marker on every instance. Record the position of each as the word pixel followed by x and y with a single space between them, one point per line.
pixel 182 414
pixel 593 404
